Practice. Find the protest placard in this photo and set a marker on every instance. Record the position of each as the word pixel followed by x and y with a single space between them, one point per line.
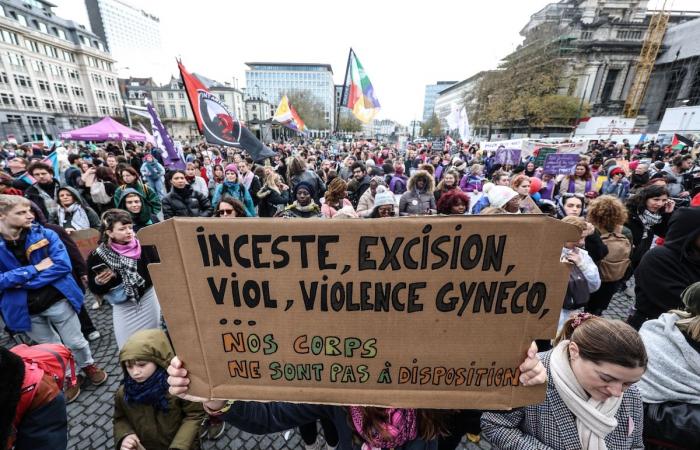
pixel 542 154
pixel 507 156
pixel 560 163
pixel 385 312
pixel 87 240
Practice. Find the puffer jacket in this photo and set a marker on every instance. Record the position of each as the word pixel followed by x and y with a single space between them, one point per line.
pixel 311 177
pixel 178 428
pixel 414 202
pixel 186 203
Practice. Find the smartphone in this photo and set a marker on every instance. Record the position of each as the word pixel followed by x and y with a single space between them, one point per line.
pixel 100 268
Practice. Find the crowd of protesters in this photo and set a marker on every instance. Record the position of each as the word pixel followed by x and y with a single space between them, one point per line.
pixel 611 384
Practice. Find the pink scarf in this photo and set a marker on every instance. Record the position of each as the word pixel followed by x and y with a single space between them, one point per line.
pixel 401 426
pixel 131 250
pixel 248 179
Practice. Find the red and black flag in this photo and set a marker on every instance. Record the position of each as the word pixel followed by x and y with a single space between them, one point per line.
pixel 679 139
pixel 216 123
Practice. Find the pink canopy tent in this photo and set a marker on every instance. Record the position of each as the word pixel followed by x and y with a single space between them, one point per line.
pixel 106 129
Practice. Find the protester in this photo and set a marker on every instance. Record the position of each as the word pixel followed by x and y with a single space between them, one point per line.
pixel 410 428
pixel 448 183
pixel 273 196
pixel 129 178
pixel 303 205
pixel 73 212
pixel 418 199
pixel 366 203
pixel 40 296
pixel 616 184
pixel 454 202
pixel 649 211
pixel 233 188
pixel 153 172
pixel 216 178
pixel 665 271
pixel 679 165
pixel 297 172
pixel 502 197
pixel 249 179
pixel 398 183
pixel 44 192
pixel 32 406
pixel 670 387
pixel 384 204
pixel 183 201
pixel 358 184
pixel 521 185
pixel 118 271
pixel 100 185
pixel 608 215
pixel 133 202
pixel 591 402
pixel 570 205
pixel 230 208
pixel 580 182
pixel 192 175
pixel 145 414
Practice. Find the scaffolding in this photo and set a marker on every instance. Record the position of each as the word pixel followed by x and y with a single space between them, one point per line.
pixel 647 59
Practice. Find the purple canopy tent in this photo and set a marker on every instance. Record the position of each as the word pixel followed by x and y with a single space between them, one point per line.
pixel 106 129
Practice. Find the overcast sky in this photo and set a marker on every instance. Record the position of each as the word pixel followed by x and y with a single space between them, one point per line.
pixel 402 45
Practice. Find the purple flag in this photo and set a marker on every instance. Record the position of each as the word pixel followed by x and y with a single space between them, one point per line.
pixel 172 159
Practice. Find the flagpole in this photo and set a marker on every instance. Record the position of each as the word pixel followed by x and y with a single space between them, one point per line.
pixel 342 94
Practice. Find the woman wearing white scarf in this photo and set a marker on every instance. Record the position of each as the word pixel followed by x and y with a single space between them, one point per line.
pixel 73 212
pixel 590 402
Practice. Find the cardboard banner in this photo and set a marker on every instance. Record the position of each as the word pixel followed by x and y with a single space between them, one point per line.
pixel 513 144
pixel 575 148
pixel 386 312
pixel 508 156
pixel 560 163
pixel 87 240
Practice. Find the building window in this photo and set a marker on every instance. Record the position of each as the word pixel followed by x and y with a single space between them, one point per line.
pixel 74 74
pixel 36 121
pixel 84 122
pixel 9 37
pixel 50 105
pixel 22 81
pixel 161 110
pixel 38 66
pixel 82 39
pixel 16 60
pixel 183 111
pixel 61 88
pixel 181 95
pixel 22 20
pixel 100 95
pixel 65 106
pixel 29 101
pixel 42 27
pixel 104 110
pixel 171 95
pixel 3 78
pixel 12 118
pixel 694 93
pixel 674 86
pixel 173 111
pixel 61 34
pixel 609 84
pixel 222 97
pixel 109 81
pixel 43 85
pixel 96 78
pixel 56 71
pixel 7 99
pixel 117 112
pixel 78 92
pixel 81 107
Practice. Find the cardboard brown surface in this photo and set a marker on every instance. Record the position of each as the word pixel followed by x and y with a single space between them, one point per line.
pixel 444 353
pixel 87 240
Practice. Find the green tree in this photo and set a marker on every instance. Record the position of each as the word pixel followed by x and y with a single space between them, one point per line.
pixel 309 109
pixel 431 127
pixel 349 123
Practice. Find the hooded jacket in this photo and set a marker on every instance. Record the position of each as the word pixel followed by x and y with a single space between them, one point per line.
pixel 142 219
pixel 93 218
pixel 178 428
pixel 186 203
pixel 44 200
pixel 416 203
pixel 238 192
pixel 16 280
pixel 665 272
pixel 153 201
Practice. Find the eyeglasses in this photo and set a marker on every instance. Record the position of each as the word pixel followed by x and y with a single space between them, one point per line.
pixel 225 212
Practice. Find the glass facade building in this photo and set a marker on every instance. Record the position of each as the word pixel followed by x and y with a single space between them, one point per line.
pixel 431 94
pixel 271 81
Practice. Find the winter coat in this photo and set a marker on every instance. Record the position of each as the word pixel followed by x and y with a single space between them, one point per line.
pixel 551 425
pixel 666 271
pixel 417 203
pixel 642 245
pixel 92 216
pixel 293 211
pixel 620 190
pixel 270 202
pixel 152 171
pixel 356 189
pixel 328 211
pixel 186 203
pixel 148 255
pixel 265 418
pixel 45 200
pixel 200 185
pixel 313 179
pixel 153 202
pixel 238 192
pixel 15 279
pixel 178 428
pixel 366 204
pixel 142 219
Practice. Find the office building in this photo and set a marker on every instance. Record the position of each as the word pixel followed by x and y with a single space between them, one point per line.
pixel 431 94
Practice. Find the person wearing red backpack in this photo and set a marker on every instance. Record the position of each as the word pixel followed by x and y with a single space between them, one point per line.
pixel 32 405
pixel 39 295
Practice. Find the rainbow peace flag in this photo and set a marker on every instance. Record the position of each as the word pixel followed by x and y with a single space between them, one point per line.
pixel 358 93
pixel 52 160
pixel 287 116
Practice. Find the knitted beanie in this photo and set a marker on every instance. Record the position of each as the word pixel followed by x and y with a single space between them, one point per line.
pixel 231 168
pixel 499 195
pixel 383 197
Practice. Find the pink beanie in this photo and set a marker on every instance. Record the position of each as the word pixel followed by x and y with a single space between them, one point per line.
pixel 231 168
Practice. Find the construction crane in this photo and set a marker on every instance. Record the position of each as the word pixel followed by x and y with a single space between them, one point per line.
pixel 647 59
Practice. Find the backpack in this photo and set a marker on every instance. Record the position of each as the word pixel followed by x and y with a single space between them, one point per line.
pixel 577 294
pixel 614 266
pixel 40 360
pixel 99 194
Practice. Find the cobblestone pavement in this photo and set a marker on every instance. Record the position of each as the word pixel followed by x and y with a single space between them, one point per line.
pixel 90 416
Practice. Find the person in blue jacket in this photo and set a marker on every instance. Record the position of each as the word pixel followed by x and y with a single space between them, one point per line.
pixel 397 428
pixel 38 294
pixel 233 187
